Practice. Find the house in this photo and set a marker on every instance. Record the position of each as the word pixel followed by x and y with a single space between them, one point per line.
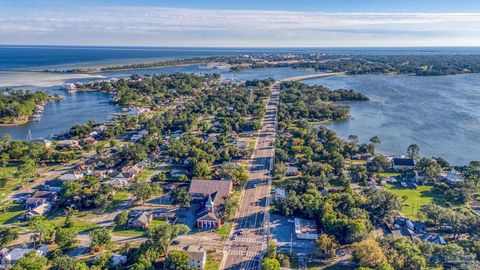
pixel 40 210
pixel 70 177
pixel 241 144
pixel 117 183
pixel 454 177
pixel 403 227
pixel 292 171
pixel 364 156
pixel 67 144
pixel 53 185
pixel 45 143
pixel 142 221
pixel 89 140
pixel 117 260
pixel 280 193
pixel 122 175
pixel 403 163
pixel 16 254
pixel 40 197
pixel 178 173
pixel 212 194
pixel 197 257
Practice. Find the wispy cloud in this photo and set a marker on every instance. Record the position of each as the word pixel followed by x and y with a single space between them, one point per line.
pixel 193 27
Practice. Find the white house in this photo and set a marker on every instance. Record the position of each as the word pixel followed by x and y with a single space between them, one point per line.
pixel 197 257
pixel 454 177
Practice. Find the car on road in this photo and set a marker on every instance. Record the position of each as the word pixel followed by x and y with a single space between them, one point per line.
pixel 234 237
pixel 175 242
pixel 240 232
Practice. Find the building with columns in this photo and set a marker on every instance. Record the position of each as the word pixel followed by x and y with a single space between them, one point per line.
pixel 211 194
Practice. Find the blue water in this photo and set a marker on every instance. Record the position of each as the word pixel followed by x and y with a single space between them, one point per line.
pixel 440 114
pixel 34 57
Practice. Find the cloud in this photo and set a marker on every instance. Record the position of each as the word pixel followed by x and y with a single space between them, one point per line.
pixel 195 27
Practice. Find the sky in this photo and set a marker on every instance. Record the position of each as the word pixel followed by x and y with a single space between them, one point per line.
pixel 246 23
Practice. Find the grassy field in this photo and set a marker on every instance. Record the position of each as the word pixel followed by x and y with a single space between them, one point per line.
pixel 10 212
pixel 387 174
pixel 225 229
pixel 80 223
pixel 136 232
pixel 213 261
pixel 118 198
pixel 145 174
pixel 414 198
pixel 10 184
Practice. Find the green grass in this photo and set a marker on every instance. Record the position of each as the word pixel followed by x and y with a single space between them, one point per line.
pixel 80 223
pixel 10 184
pixel 145 174
pixel 414 198
pixel 386 174
pixel 213 262
pixel 137 232
pixel 225 229
pixel 118 198
pixel 10 212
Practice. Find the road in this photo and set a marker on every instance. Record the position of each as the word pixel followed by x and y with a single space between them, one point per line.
pixel 245 249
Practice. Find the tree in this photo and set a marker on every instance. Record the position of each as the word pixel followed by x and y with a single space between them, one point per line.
pixel 201 170
pixel 162 236
pixel 121 218
pixel 65 238
pixel 142 191
pixel 7 235
pixel 327 245
pixel 279 170
pixel 381 204
pixel 368 253
pixel 31 261
pixel 26 170
pixel 353 139
pixel 272 250
pixel 100 238
pixel 233 172
pixel 181 196
pixel 43 227
pixel 413 151
pixel 229 208
pixel 270 264
pixel 176 260
pixel 379 164
pixel 67 263
pixel 375 140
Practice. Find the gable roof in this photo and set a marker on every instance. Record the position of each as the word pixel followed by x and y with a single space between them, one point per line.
pixel 208 187
pixel 403 161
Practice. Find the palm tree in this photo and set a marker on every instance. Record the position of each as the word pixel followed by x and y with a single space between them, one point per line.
pixel 413 151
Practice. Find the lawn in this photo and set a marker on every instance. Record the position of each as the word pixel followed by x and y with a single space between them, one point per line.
pixel 136 232
pixel 213 261
pixel 10 184
pixel 10 212
pixel 414 198
pixel 118 198
pixel 80 223
pixel 387 174
pixel 145 174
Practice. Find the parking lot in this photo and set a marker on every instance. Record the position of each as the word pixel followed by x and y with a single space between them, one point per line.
pixel 283 233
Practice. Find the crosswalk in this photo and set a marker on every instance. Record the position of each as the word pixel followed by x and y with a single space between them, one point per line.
pixel 243 253
pixel 249 240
